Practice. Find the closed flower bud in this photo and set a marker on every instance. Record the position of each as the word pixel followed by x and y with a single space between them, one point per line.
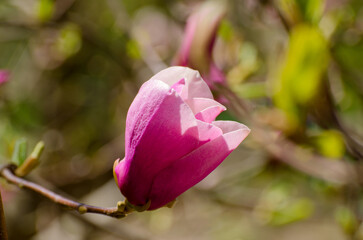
pixel 172 138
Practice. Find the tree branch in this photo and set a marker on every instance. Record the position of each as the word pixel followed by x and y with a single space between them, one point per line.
pixel 337 171
pixel 332 170
pixel 117 212
pixel 3 232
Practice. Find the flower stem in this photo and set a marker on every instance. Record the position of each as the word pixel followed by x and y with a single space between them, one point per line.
pixel 8 174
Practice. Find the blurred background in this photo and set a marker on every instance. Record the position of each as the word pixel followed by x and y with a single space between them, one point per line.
pixel 292 71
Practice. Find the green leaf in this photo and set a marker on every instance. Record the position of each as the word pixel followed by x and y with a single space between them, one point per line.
pixel 302 72
pixel 225 30
pixel 69 41
pixel 305 64
pixel 295 211
pixel 277 206
pixel 20 152
pixel 44 10
pixel 330 143
pixel 133 49
pixel 298 11
pixel 38 150
pixel 31 162
pixel 345 217
pixel 312 10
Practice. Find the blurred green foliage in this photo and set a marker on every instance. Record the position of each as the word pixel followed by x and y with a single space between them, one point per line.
pixel 44 10
pixel 302 72
pixel 69 41
pixel 345 217
pixel 330 144
pixel 277 207
pixel 76 65
pixel 297 11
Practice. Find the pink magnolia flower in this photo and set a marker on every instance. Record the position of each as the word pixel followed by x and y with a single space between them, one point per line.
pixel 198 42
pixel 172 140
pixel 4 76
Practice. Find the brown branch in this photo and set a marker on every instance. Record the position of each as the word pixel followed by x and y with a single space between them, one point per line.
pixel 3 232
pixel 281 149
pixel 8 174
pixel 332 170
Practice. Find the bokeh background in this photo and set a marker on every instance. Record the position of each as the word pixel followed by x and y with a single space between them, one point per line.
pixel 294 75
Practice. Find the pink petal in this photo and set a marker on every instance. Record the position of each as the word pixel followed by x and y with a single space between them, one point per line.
pixel 195 86
pixel 208 132
pixel 209 114
pixel 179 86
pixel 234 132
pixel 160 128
pixel 206 109
pixel 199 104
pixel 192 168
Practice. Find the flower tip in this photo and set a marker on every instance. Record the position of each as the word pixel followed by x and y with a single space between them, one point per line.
pixel 245 130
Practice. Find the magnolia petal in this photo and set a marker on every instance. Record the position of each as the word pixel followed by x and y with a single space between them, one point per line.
pixel 195 86
pixel 206 109
pixel 119 171
pixel 184 173
pixel 160 128
pixel 234 132
pixel 179 86
pixel 208 132
pixel 209 115
pixel 200 104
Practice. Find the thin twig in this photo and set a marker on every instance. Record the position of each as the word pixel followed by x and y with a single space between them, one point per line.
pixel 3 232
pixel 9 175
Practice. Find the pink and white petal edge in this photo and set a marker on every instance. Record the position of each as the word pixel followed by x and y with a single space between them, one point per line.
pixel 195 85
pixel 194 167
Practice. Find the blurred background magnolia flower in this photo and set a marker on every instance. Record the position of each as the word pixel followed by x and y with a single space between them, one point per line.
pixel 199 37
pixel 4 76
